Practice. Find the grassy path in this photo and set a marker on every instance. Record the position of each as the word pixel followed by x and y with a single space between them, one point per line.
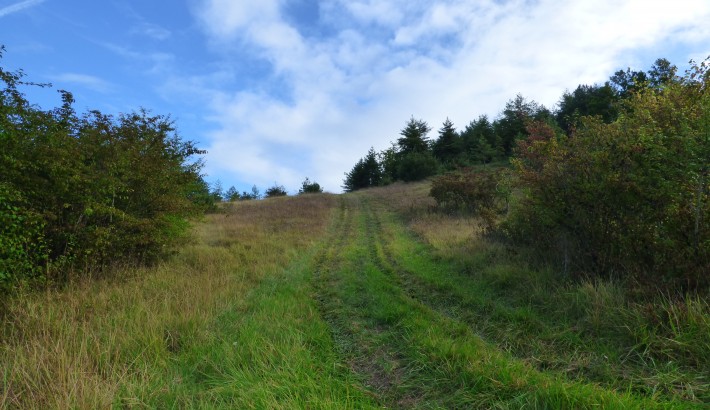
pixel 377 289
pixel 314 302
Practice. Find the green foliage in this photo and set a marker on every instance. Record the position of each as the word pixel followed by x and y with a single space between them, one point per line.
pixel 87 191
pixel 198 193
pixel 483 193
pixel 627 82
pixel 218 194
pixel 416 166
pixel 414 137
pixel 388 164
pixel 480 143
pixel 447 146
pixel 511 126
pixel 232 194
pixel 308 187
pixel 630 197
pixel 23 252
pixel 587 100
pixel 253 194
pixel 366 173
pixel 274 191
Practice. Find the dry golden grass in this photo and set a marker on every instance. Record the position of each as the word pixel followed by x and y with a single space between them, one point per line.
pixel 95 341
pixel 448 234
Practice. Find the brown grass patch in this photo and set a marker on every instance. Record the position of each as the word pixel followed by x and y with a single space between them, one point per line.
pixel 79 347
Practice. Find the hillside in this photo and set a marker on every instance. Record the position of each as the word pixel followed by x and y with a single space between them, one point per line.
pixel 367 300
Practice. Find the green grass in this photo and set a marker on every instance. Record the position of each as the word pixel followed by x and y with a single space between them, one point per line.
pixel 415 353
pixel 229 322
pixel 587 331
pixel 367 300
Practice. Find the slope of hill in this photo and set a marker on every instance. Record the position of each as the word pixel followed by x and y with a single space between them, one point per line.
pixel 366 300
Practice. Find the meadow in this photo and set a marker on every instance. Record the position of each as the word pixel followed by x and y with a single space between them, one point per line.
pixel 374 299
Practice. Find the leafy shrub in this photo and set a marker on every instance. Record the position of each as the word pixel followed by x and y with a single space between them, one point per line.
pixel 483 193
pixel 630 197
pixel 83 192
pixel 309 187
pixel 23 252
pixel 276 190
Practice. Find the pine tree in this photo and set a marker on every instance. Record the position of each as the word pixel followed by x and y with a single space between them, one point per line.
pixel 446 146
pixel 414 137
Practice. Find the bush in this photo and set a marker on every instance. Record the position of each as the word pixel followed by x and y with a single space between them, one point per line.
pixel 274 191
pixel 23 252
pixel 630 197
pixel 309 187
pixel 482 193
pixel 83 192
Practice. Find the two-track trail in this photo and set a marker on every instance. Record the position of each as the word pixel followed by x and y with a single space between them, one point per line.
pixel 313 302
pixel 400 335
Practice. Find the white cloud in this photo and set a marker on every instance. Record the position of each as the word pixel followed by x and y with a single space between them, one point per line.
pixel 14 8
pixel 357 86
pixel 89 81
pixel 153 31
pixel 155 62
pixel 385 13
pixel 225 18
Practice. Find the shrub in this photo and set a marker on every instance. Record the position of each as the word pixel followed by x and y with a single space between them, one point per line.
pixel 483 193
pixel 274 191
pixel 309 187
pixel 83 192
pixel 23 251
pixel 630 197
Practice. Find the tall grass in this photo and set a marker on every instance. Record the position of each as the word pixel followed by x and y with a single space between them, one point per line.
pixel 655 344
pixel 374 299
pixel 172 335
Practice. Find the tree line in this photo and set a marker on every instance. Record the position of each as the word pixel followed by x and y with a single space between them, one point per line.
pixel 614 181
pixel 218 193
pixel 415 156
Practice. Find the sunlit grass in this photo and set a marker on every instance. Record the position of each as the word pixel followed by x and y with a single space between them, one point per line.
pixel 225 321
pixel 588 330
pixel 373 299
pixel 413 354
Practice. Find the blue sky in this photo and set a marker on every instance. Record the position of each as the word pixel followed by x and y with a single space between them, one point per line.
pixel 280 90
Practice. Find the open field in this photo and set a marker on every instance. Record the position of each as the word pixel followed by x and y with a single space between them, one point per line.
pixel 365 300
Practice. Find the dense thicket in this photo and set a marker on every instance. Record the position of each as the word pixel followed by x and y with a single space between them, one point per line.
pixel 615 181
pixel 630 196
pixel 86 191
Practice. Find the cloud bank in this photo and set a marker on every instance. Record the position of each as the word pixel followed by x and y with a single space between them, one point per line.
pixel 349 74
